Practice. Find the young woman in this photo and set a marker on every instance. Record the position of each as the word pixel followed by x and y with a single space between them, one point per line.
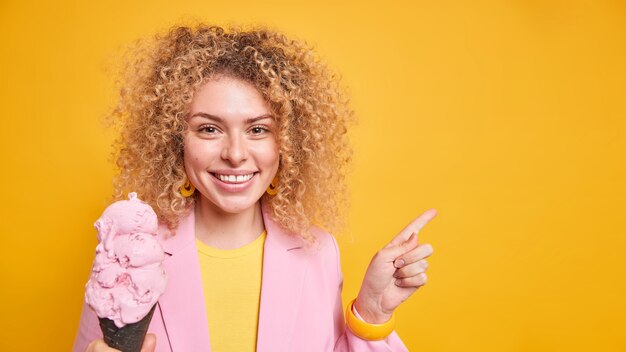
pixel 237 140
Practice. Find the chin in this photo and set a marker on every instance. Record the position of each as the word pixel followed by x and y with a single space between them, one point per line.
pixel 235 207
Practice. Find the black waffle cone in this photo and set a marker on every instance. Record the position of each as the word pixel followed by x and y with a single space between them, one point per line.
pixel 128 338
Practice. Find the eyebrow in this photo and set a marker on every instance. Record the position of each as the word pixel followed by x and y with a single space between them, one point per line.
pixel 219 119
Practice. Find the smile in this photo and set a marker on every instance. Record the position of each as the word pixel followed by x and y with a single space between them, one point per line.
pixel 234 181
pixel 233 178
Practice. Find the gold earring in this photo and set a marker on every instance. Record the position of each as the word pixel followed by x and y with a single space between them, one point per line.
pixel 273 187
pixel 187 189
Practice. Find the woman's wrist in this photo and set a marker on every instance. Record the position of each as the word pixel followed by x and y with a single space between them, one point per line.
pixel 371 315
pixel 365 330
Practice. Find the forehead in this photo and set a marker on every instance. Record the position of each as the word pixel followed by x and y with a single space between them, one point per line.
pixel 229 98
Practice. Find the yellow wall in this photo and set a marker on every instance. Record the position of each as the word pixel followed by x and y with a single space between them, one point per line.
pixel 508 117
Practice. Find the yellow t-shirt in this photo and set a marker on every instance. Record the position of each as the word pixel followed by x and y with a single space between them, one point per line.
pixel 231 280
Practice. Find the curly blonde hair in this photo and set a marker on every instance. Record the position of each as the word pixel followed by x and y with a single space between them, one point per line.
pixel 158 82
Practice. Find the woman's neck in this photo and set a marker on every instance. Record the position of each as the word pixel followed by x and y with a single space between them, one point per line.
pixel 223 230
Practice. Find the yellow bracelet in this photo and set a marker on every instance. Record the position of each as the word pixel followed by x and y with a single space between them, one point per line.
pixel 368 331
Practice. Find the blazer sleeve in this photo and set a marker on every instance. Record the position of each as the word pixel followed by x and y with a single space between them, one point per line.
pixel 346 341
pixel 88 329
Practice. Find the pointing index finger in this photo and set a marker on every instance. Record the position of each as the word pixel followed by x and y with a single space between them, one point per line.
pixel 415 226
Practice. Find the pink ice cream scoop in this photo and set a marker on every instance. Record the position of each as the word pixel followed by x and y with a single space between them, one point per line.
pixel 127 277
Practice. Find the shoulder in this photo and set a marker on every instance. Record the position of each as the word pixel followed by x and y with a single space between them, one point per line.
pixel 323 239
pixel 325 249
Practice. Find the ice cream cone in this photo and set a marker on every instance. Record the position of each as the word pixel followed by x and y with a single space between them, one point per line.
pixel 128 338
pixel 127 277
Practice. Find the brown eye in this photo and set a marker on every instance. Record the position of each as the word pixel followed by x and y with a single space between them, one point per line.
pixel 258 130
pixel 208 129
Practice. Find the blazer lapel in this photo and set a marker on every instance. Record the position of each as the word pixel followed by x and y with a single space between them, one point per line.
pixel 284 270
pixel 182 305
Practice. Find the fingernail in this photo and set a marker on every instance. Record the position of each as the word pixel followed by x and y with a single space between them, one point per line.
pixel 399 263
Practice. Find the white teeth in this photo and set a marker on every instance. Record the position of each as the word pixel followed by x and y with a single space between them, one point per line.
pixel 234 178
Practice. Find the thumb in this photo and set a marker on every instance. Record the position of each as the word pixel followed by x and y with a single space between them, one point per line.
pixel 391 252
pixel 149 343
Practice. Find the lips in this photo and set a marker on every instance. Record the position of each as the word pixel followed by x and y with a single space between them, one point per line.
pixel 234 178
pixel 226 185
pixel 230 178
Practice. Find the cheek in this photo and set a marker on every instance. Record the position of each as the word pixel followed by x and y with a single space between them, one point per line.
pixel 195 153
pixel 267 154
pixel 197 149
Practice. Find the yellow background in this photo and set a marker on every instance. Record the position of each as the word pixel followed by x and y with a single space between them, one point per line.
pixel 508 117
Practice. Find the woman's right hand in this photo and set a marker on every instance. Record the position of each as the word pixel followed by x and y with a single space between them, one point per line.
pixel 149 344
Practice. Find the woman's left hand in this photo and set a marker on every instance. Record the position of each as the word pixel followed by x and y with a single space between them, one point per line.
pixel 394 273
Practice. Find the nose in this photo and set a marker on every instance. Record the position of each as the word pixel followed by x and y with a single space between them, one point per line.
pixel 234 150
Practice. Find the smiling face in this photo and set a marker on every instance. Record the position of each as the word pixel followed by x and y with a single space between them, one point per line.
pixel 231 153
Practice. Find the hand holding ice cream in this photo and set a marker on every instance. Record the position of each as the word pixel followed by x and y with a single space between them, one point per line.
pixel 149 345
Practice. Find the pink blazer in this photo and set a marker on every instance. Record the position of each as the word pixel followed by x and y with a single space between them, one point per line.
pixel 300 309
